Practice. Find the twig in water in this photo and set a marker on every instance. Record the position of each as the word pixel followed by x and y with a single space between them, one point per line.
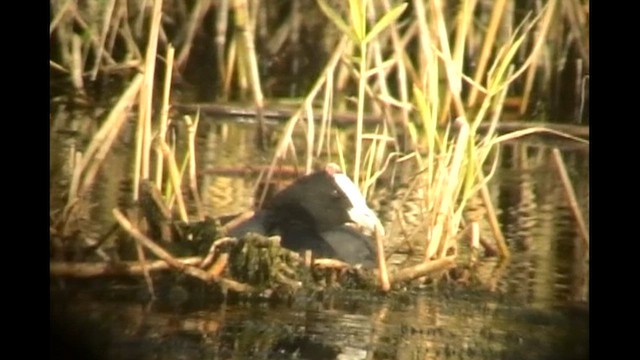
pixel 212 250
pixel 571 197
pixel 93 269
pixel 219 266
pixel 385 284
pixel 493 219
pixel 423 269
pixel 174 263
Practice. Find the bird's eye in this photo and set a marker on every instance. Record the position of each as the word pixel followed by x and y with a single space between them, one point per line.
pixel 335 193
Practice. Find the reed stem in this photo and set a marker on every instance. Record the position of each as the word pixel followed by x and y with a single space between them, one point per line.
pixel 489 40
pixel 571 197
pixel 493 218
pixel 361 89
pixel 438 239
pixel 164 113
pixel 193 180
pixel 423 269
pixel 108 12
pixel 101 142
pixel 200 9
pixel 250 64
pixel 385 284
pixel 143 140
pixel 222 17
pixel 174 176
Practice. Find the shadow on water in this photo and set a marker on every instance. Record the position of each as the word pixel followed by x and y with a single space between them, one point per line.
pixel 533 307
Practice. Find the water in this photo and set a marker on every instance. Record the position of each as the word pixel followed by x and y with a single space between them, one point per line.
pixel 533 307
pixel 430 324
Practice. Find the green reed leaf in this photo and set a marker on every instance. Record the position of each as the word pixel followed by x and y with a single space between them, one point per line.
pixel 358 18
pixel 385 21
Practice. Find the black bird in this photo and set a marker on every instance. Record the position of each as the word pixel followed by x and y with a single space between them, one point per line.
pixel 312 214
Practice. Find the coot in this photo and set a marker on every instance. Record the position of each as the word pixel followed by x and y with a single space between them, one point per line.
pixel 312 214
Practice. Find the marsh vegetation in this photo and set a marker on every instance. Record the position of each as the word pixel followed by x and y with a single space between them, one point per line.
pixel 371 85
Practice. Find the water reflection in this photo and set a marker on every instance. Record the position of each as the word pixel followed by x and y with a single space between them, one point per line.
pixel 443 323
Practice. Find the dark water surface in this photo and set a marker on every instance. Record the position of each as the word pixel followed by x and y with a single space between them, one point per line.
pixel 533 307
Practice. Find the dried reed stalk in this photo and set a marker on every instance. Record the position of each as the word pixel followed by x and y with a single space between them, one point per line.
pixel 77 66
pixel 489 40
pixel 401 67
pixel 327 111
pixel 101 142
pixel 438 234
pixel 218 267
pixel 212 250
pixel 192 127
pixel 451 68
pixel 173 262
pixel 200 9
pixel 543 29
pixel 250 62
pixel 548 12
pixel 493 218
pixel 174 177
pixel 385 283
pixel 230 66
pixel 423 269
pixel 143 139
pixel 576 14
pixel 310 136
pixel 148 243
pixel 106 20
pixel 60 12
pixel 571 197
pixel 164 113
pixel 463 21
pixel 222 17
pixel 475 240
pixel 285 139
pixel 362 82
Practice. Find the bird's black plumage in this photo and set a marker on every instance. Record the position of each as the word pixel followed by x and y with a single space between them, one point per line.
pixel 311 214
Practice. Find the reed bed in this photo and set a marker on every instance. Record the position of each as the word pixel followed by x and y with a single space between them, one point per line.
pixel 432 74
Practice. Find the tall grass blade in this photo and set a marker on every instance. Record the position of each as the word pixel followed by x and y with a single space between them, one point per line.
pixel 385 21
pixel 357 10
